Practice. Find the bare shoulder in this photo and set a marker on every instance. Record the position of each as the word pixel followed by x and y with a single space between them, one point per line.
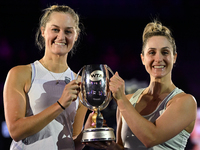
pixel 184 100
pixel 21 72
pixel 184 97
pixel 20 69
pixel 19 75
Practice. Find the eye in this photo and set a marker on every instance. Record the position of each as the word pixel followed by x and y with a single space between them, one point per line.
pixel 151 52
pixel 165 52
pixel 55 30
pixel 68 31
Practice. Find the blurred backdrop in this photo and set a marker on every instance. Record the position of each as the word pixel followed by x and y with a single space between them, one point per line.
pixel 112 36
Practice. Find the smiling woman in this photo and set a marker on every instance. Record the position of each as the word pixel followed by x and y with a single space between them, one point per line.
pixel 40 99
pixel 45 18
pixel 59 34
pixel 160 116
pixel 158 57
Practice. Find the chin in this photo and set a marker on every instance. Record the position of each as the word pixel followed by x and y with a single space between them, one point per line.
pixel 159 76
pixel 60 51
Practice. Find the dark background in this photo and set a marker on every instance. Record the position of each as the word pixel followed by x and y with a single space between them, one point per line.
pixel 112 36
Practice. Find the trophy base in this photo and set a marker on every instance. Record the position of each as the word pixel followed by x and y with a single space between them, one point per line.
pixel 98 134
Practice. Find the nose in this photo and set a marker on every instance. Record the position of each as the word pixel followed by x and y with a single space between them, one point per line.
pixel 158 57
pixel 61 35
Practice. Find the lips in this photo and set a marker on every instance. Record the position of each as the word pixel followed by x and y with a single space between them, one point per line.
pixel 158 67
pixel 57 43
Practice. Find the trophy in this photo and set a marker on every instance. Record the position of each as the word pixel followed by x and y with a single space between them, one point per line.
pixel 95 95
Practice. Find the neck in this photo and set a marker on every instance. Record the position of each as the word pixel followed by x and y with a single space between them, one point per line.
pixel 160 86
pixel 56 65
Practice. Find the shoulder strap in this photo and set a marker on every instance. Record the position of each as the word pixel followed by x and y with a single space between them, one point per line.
pixel 135 96
pixel 33 72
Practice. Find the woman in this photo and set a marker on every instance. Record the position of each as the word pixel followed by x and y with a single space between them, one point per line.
pixel 40 99
pixel 160 116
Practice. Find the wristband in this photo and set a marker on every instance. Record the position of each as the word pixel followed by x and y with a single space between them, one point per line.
pixel 61 105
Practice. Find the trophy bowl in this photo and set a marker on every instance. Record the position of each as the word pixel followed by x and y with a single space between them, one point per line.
pixel 95 95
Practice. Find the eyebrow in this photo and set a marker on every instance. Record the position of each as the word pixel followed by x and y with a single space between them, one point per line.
pixel 152 48
pixel 166 47
pixel 58 26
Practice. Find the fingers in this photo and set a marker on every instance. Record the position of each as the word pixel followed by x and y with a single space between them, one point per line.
pixel 104 123
pixel 89 122
pixel 116 73
pixel 116 78
pixel 73 87
pixel 117 86
pixel 116 81
pixel 70 93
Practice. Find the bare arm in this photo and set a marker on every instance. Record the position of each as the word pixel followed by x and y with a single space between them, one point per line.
pixel 175 119
pixel 119 127
pixel 78 126
pixel 15 93
pixel 78 122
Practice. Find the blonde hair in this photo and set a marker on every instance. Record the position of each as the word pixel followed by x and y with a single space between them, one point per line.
pixel 157 29
pixel 45 18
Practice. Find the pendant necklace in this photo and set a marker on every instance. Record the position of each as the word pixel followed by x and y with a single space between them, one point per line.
pixel 57 80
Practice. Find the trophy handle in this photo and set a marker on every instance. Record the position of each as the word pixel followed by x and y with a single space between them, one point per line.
pixel 109 69
pixel 83 102
pixel 79 72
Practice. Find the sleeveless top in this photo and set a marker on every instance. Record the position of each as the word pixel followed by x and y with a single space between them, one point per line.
pixel 131 142
pixel 44 92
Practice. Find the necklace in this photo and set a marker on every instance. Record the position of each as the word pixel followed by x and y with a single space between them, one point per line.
pixel 57 80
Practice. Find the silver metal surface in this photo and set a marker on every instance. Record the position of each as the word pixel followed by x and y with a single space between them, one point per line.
pixel 96 95
pixel 98 134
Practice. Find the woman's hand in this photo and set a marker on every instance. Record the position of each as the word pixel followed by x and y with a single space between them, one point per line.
pixel 70 93
pixel 89 123
pixel 117 86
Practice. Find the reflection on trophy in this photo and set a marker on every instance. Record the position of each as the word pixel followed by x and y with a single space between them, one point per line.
pixel 95 95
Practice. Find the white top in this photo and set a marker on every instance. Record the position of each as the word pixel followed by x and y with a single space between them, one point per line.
pixel 131 142
pixel 44 92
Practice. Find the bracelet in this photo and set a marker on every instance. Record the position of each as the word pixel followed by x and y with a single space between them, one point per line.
pixel 61 105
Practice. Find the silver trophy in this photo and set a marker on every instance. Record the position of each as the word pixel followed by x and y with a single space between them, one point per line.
pixel 95 95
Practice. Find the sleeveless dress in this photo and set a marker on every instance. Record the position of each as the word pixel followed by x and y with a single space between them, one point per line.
pixel 44 92
pixel 131 142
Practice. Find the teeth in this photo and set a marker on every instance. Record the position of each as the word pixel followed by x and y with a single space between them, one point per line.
pixel 59 43
pixel 158 66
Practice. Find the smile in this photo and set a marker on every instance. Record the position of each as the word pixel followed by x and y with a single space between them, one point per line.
pixel 158 67
pixel 59 43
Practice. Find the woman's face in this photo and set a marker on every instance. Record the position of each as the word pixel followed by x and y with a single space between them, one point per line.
pixel 158 56
pixel 60 33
